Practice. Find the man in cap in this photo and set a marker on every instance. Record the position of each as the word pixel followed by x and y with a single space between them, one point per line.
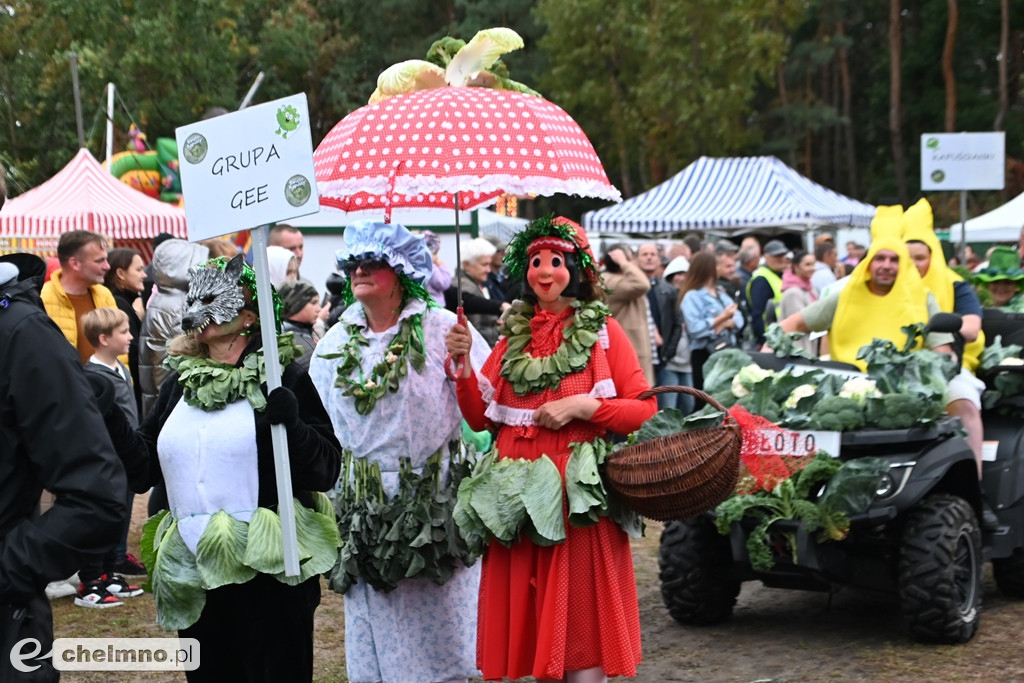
pixel 1003 278
pixel 764 290
pixel 301 309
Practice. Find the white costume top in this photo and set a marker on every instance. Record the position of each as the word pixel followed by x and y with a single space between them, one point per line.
pixel 209 464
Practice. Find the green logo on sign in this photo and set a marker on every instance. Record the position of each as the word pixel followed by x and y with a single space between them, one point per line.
pixel 195 148
pixel 297 190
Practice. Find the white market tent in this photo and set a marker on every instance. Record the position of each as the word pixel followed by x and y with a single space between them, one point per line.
pixel 502 227
pixel 1002 224
pixel 735 194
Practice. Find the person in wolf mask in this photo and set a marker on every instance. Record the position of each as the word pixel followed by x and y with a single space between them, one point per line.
pixel 380 371
pixel 217 571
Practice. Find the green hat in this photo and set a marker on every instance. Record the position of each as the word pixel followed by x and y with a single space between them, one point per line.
pixel 1003 264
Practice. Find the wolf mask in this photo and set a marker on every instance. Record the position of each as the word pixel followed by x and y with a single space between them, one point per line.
pixel 214 297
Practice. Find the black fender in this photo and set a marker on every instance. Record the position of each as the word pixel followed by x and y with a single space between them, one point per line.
pixel 1004 477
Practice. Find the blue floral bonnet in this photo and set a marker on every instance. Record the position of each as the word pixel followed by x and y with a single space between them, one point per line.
pixel 403 251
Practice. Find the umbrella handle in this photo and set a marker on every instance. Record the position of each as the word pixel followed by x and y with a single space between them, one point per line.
pixel 459 362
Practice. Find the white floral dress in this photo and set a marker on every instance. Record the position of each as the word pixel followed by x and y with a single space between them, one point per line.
pixel 419 631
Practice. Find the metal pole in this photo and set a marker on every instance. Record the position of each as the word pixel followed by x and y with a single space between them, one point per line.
pixel 278 433
pixel 110 123
pixel 252 91
pixel 272 364
pixel 458 260
pixel 963 228
pixel 78 99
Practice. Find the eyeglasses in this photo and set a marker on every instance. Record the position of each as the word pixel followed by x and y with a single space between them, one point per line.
pixel 368 266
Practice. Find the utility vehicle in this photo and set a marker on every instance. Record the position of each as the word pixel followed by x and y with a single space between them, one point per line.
pixel 921 538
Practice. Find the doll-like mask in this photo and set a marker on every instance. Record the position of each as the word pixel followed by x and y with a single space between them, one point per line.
pixel 551 271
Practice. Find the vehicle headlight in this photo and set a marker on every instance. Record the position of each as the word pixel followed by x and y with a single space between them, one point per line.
pixel 886 486
pixel 893 481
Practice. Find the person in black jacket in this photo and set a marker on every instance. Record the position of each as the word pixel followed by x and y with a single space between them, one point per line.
pixel 51 436
pixel 219 573
pixel 125 280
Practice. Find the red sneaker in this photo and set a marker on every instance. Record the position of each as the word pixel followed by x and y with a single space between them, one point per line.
pixel 118 586
pixel 94 594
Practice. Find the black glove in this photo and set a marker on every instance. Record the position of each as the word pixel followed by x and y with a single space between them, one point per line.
pixel 282 407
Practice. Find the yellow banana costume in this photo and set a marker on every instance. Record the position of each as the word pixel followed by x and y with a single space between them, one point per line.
pixel 862 315
pixel 918 226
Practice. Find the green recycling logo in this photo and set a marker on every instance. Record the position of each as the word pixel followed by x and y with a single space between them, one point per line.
pixel 932 143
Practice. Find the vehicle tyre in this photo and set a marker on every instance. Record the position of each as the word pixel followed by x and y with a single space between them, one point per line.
pixel 695 560
pixel 940 570
pixel 1009 574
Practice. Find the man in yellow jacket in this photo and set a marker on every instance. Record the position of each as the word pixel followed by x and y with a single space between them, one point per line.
pixel 77 286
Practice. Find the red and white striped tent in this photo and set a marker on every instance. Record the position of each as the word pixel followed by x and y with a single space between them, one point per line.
pixel 85 196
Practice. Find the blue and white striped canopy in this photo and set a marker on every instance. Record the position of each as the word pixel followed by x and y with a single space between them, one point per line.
pixel 736 193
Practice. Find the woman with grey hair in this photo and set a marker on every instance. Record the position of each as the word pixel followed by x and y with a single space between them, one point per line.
pixel 476 266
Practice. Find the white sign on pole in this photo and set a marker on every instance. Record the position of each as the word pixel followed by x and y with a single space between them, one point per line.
pixel 248 168
pixel 963 161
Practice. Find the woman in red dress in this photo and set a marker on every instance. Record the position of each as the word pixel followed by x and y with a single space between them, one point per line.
pixel 566 611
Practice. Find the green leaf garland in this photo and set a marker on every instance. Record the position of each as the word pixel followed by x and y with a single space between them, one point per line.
pixel 410 535
pixel 211 385
pixel 383 377
pixel 528 374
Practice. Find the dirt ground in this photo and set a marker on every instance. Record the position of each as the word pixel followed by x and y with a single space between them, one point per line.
pixel 784 636
pixel 774 636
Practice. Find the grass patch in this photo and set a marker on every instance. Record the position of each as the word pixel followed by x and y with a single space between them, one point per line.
pixel 137 619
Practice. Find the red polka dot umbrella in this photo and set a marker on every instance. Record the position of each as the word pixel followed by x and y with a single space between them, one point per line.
pixel 420 148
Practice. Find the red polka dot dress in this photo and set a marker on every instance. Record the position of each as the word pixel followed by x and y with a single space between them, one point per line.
pixel 545 610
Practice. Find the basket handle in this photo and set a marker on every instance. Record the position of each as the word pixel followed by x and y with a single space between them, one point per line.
pixel 696 393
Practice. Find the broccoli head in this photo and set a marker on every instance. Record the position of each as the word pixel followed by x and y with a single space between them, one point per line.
pixel 837 414
pixel 897 411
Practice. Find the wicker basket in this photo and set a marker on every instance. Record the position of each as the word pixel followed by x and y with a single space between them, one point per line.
pixel 681 475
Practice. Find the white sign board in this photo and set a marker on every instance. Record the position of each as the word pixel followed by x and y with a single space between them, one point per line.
pixel 248 168
pixel 963 161
pixel 799 442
